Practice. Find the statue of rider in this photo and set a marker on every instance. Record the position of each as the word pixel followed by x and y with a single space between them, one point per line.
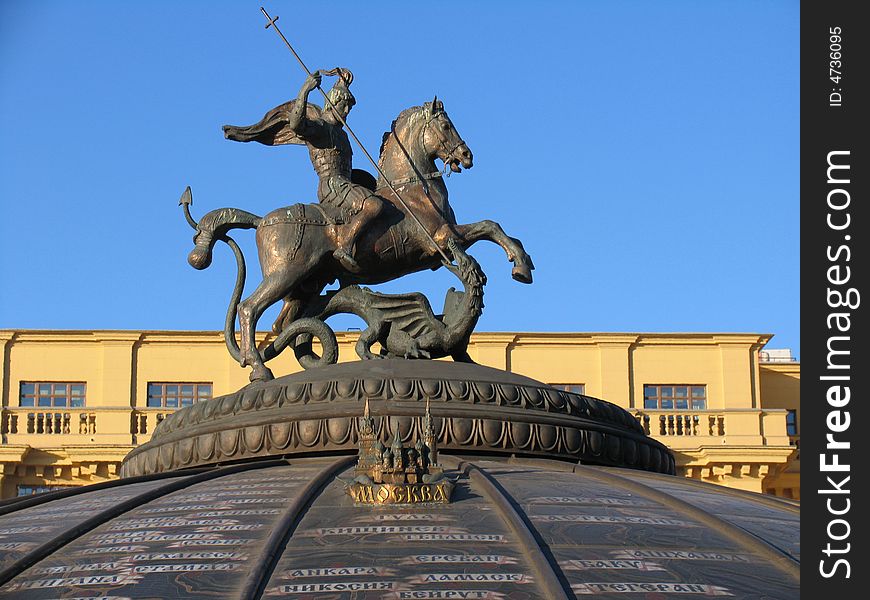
pixel 330 151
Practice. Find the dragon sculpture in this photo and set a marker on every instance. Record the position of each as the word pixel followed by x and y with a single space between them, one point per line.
pixel 405 324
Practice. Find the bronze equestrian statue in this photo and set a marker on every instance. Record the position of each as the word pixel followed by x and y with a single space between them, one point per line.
pixel 297 245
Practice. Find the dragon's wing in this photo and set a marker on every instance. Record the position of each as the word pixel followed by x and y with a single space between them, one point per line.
pixel 410 312
pixel 272 129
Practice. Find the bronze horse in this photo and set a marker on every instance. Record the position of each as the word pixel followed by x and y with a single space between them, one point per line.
pixel 295 243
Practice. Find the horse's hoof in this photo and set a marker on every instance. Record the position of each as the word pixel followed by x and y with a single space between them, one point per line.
pixel 261 374
pixel 522 273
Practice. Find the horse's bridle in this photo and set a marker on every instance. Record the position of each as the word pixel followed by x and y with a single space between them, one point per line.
pixel 442 145
pixel 442 141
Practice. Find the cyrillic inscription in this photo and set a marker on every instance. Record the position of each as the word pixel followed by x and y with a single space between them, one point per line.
pixel 447 595
pixel 585 500
pixel 349 586
pixel 167 522
pixel 638 565
pixel 181 508
pixel 608 519
pixel 110 550
pixel 34 529
pixel 338 572
pixel 17 546
pixel 211 542
pixel 401 493
pixel 379 529
pixel 250 527
pixel 496 559
pixel 73 581
pixel 178 568
pixel 403 517
pixel 190 556
pixel 682 555
pixel 240 512
pixel 455 537
pixel 665 588
pixel 102 566
pixel 156 537
pixel 471 578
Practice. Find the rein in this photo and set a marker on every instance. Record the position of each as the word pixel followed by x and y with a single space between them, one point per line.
pixel 442 145
pixel 417 178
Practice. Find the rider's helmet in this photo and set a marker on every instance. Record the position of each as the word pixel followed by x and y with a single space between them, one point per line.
pixel 340 94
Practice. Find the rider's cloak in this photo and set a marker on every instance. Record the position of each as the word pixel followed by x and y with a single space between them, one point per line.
pixel 272 129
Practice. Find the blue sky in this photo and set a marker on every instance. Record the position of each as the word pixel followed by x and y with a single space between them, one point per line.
pixel 647 153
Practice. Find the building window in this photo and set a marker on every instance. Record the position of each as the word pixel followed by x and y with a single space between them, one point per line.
pixel 50 394
pixel 574 388
pixel 30 490
pixel 791 422
pixel 177 395
pixel 675 397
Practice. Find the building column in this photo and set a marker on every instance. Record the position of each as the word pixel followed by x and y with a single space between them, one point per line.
pixel 491 351
pixel 116 384
pixel 615 360
pixel 6 338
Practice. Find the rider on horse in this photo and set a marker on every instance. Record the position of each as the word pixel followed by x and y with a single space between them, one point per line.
pixel 331 153
pixel 297 122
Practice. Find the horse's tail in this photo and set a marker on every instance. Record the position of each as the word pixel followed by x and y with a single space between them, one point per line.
pixel 299 333
pixel 230 322
pixel 212 227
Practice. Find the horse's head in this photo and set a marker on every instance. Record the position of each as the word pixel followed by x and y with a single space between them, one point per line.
pixel 440 138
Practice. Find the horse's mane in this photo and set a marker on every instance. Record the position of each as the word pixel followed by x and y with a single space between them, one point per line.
pixel 410 115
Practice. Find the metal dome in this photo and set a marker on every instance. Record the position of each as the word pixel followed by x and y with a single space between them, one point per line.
pixel 277 522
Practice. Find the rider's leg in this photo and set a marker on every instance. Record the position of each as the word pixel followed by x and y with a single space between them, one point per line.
pixel 370 209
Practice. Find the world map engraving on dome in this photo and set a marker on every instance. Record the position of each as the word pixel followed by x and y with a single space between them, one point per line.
pixel 209 531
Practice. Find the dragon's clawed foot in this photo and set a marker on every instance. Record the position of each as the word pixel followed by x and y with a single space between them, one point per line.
pixel 415 351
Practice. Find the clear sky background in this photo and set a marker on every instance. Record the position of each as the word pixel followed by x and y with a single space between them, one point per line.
pixel 647 153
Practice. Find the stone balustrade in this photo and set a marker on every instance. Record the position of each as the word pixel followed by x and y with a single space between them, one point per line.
pixel 35 426
pixel 143 422
pixel 683 428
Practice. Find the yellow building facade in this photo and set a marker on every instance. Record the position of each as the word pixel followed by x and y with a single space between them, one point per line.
pixel 74 403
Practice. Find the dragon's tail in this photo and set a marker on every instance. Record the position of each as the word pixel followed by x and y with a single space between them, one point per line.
pixel 212 227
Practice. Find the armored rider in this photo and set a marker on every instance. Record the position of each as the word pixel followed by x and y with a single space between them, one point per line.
pixel 331 154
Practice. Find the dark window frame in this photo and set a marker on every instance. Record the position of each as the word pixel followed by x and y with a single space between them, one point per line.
pixel 171 394
pixel 791 426
pixel 33 488
pixel 566 387
pixel 52 394
pixel 669 396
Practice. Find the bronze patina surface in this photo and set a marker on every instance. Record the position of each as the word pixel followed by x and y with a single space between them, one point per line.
pixel 362 231
pixel 515 529
pixel 474 409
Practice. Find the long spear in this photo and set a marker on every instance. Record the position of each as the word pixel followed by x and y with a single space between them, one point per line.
pixel 273 23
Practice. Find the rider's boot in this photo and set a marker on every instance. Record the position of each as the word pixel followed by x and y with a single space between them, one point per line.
pixel 347 260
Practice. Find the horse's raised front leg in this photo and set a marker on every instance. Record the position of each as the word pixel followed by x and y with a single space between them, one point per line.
pixel 491 231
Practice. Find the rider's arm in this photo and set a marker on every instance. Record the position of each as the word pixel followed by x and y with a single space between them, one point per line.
pixel 297 119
